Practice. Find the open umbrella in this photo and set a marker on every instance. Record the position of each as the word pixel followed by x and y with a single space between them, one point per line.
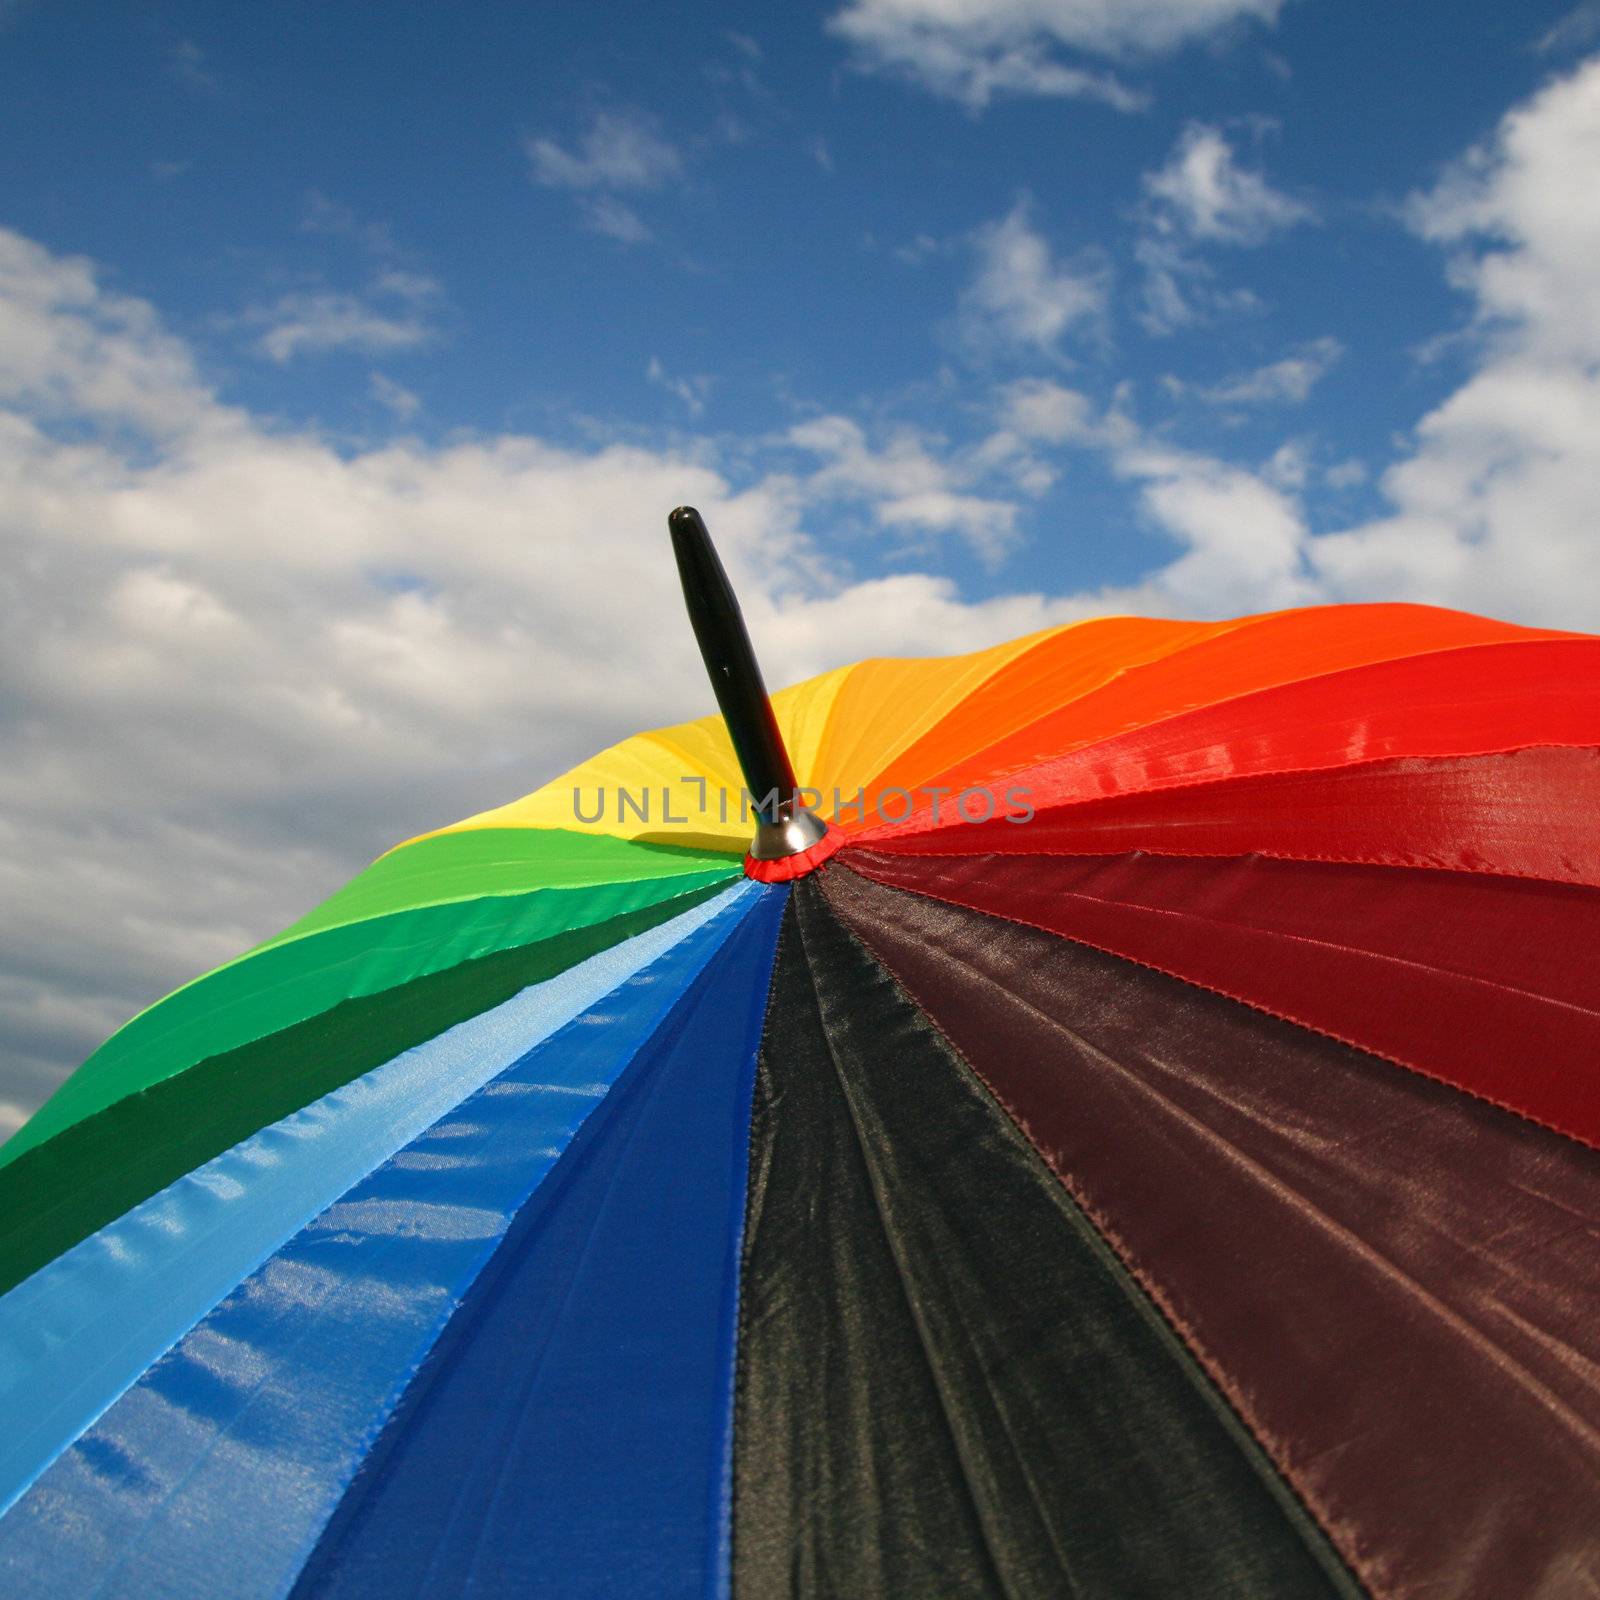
pixel 1127 1128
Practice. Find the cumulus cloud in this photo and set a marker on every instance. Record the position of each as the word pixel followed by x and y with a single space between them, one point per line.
pixel 910 485
pixel 1243 537
pixel 1021 296
pixel 1207 194
pixel 1202 196
pixel 1495 507
pixel 1286 382
pixel 240 662
pixel 973 50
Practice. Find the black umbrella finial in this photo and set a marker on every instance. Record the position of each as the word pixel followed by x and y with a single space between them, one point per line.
pixel 785 825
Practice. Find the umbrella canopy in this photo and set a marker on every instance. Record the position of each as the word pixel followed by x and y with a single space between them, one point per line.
pixel 1144 1144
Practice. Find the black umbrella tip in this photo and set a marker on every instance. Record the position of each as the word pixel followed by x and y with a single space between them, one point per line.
pixel 685 519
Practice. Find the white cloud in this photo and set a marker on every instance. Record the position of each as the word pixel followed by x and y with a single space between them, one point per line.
pixel 1242 535
pixel 1022 297
pixel 692 389
pixel 416 287
pixel 1495 507
pixel 1042 410
pixel 909 483
pixel 390 315
pixel 187 64
pixel 618 150
pixel 1575 31
pixel 1202 196
pixel 972 50
pixel 239 663
pixel 1286 382
pixel 395 396
pixel 605 214
pixel 1348 474
pixel 315 323
pixel 1207 195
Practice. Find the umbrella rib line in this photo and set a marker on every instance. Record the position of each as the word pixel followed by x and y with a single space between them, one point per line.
pixel 1266 1010
pixel 906 1292
pixel 1328 1224
pixel 1219 1393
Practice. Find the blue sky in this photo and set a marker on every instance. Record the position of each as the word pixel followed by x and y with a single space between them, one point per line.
pixel 508 218
pixel 351 356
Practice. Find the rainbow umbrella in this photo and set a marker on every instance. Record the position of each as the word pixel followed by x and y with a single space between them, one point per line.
pixel 1127 1129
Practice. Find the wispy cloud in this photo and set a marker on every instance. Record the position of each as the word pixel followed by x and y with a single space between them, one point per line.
pixel 1286 382
pixel 605 214
pixel 392 310
pixel 395 396
pixel 334 218
pixel 320 322
pixel 975 50
pixel 1576 31
pixel 691 389
pixel 1022 296
pixel 618 150
pixel 187 63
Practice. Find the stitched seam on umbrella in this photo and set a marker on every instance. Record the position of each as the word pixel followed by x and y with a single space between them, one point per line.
pixel 883 763
pixel 424 940
pixel 741 1364
pixel 1146 1292
pixel 1540 637
pixel 1117 674
pixel 1256 1005
pixel 875 837
pixel 1367 1252
pixel 1379 956
pixel 922 1015
pixel 888 846
pixel 905 1287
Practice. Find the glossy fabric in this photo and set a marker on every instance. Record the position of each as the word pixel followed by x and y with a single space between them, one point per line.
pixel 452 867
pixel 1523 813
pixel 947 1384
pixel 1489 984
pixel 1109 675
pixel 288 983
pixel 77 1333
pixel 1065 1273
pixel 569 1434
pixel 1462 702
pixel 1392 1282
pixel 82 1179
pixel 215 1473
